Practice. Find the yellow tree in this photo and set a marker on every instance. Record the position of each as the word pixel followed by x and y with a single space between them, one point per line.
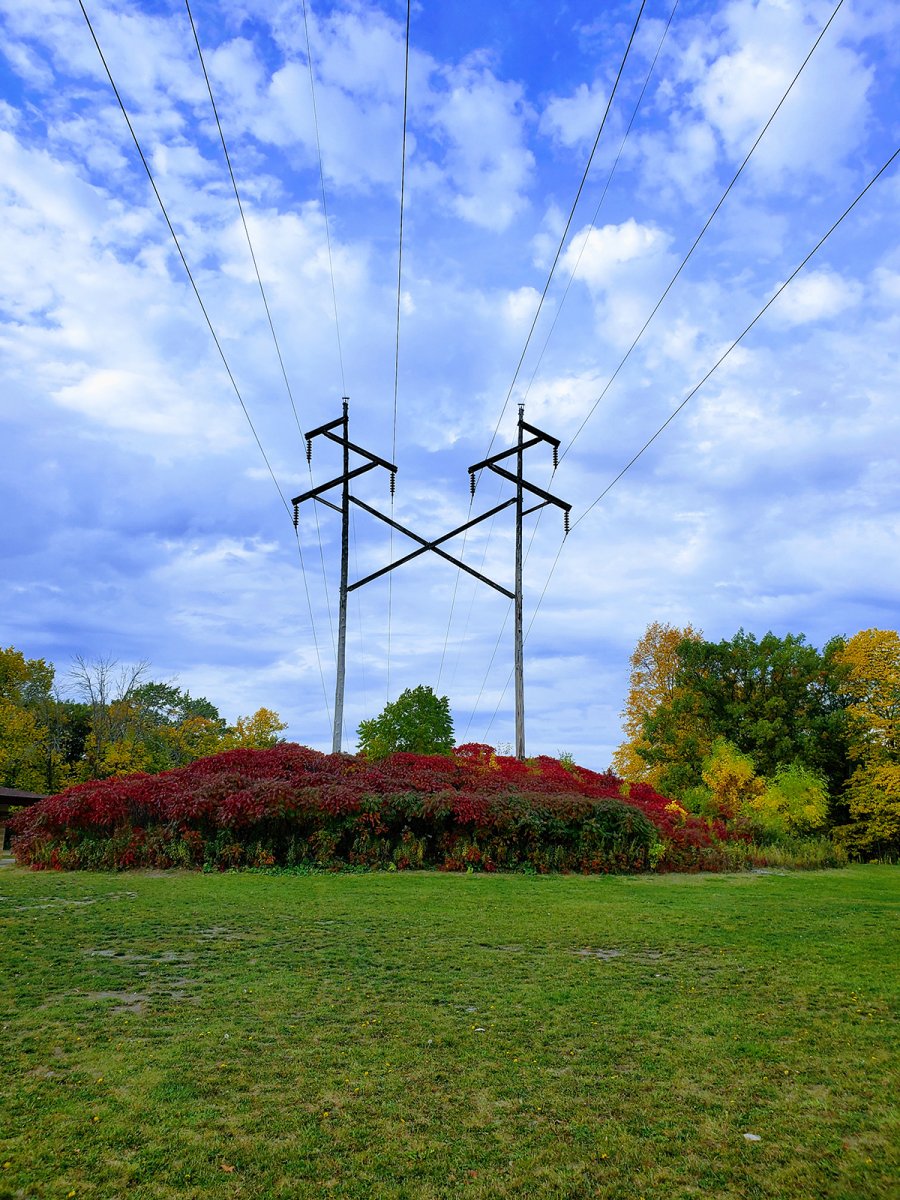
pixel 731 779
pixel 255 732
pixel 654 665
pixel 871 660
pixel 25 700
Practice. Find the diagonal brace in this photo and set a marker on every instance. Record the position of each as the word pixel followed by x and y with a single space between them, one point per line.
pixel 531 487
pixel 342 441
pixel 425 545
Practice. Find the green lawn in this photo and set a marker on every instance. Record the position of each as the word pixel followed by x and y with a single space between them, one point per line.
pixel 424 1035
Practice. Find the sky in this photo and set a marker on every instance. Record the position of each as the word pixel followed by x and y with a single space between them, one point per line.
pixel 143 490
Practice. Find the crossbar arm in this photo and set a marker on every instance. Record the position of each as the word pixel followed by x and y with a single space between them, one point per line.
pixel 539 433
pixel 534 508
pixel 314 493
pixel 495 458
pixel 425 545
pixel 531 487
pixel 324 428
pixel 381 462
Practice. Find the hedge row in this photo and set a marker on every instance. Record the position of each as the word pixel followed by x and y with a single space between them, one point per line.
pixel 290 805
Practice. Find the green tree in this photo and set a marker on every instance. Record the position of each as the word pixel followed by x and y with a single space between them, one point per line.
pixel 418 721
pixel 730 780
pixel 778 700
pixel 794 801
pixel 106 688
pixel 142 725
pixel 654 666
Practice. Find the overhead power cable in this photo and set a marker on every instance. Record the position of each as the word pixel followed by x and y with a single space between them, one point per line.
pixel 565 233
pixel 696 388
pixel 540 305
pixel 184 261
pixel 690 395
pixel 315 110
pixel 237 196
pixel 209 324
pixel 590 228
pixel 699 237
pixel 262 292
pixel 397 338
pixel 684 262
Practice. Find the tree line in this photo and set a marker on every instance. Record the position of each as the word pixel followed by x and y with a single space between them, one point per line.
pixel 795 739
pixel 111 720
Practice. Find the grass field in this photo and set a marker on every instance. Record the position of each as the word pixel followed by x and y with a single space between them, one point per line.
pixel 425 1035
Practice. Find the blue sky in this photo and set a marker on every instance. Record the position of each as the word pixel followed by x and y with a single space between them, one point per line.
pixel 140 520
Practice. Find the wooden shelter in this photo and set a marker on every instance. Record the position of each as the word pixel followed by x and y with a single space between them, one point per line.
pixel 12 798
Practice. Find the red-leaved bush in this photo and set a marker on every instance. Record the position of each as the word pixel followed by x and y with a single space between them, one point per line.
pixel 290 806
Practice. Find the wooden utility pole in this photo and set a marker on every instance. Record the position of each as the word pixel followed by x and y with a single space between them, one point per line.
pixel 318 493
pixel 545 498
pixel 519 651
pixel 342 606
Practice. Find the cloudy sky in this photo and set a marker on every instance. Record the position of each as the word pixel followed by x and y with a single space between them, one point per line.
pixel 140 518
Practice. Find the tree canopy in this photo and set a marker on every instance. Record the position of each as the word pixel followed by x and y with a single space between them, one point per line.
pixel 871 685
pixel 120 722
pixel 418 721
pixel 652 684
pixel 777 699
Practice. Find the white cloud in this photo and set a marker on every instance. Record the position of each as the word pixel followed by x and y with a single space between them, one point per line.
pixel 521 305
pixel 601 253
pixel 481 121
pixel 816 296
pixel 162 410
pixel 573 120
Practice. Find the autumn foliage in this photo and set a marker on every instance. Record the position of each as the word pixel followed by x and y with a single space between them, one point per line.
pixel 293 806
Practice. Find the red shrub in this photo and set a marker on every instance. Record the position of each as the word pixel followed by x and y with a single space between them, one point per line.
pixel 481 807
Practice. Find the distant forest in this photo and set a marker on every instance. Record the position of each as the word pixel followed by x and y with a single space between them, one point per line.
pixel 118 723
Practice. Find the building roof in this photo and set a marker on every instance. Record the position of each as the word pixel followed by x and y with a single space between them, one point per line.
pixel 13 794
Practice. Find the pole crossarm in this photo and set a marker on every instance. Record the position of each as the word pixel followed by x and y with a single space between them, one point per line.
pixel 374 459
pixel 495 458
pixel 433 545
pixel 541 435
pixel 533 488
pixel 317 492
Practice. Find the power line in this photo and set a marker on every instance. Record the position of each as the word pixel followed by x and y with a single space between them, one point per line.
pixel 262 290
pixel 796 271
pixel 850 207
pixel 671 282
pixel 237 196
pixel 312 90
pixel 606 186
pixel 209 323
pixel 537 314
pixel 181 255
pixel 571 217
pixel 397 339
pixel 699 236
